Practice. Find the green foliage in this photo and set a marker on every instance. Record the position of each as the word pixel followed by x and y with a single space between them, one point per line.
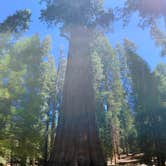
pixel 60 79
pixel 77 13
pixel 159 38
pixel 131 99
pixel 148 104
pixel 16 23
pixel 148 10
pixel 160 112
pixel 150 13
pixel 160 74
pixel 115 120
pixel 27 80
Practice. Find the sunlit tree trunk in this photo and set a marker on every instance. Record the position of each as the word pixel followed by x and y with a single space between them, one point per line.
pixel 33 162
pixel 115 142
pixel 53 124
pixel 77 142
pixel 47 134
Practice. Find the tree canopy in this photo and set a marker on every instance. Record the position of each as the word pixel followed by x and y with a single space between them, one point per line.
pixel 88 13
pixel 17 22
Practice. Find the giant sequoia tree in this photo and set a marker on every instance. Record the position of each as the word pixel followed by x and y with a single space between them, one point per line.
pixel 77 141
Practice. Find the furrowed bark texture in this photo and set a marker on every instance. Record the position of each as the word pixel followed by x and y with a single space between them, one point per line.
pixel 77 142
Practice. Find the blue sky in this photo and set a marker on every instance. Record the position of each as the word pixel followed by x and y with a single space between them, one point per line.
pixel 142 38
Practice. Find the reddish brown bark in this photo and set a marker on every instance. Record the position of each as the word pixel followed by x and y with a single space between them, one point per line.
pixel 77 142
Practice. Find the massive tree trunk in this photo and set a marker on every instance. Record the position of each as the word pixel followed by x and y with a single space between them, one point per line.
pixel 77 142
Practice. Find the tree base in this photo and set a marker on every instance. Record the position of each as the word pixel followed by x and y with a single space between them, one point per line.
pixel 83 163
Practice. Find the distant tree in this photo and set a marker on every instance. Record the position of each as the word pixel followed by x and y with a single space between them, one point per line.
pixel 141 87
pixel 27 118
pixel 48 92
pixel 59 92
pixel 149 112
pixel 128 129
pixel 113 113
pixel 5 97
pixel 111 96
pixel 23 94
pixel 160 114
pixel 160 74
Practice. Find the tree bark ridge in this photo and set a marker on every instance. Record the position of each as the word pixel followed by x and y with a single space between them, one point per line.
pixel 77 142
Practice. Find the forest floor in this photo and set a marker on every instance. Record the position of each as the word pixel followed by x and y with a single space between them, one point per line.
pixel 130 160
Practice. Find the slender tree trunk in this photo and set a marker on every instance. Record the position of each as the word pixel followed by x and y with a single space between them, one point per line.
pixel 11 155
pixel 33 162
pixel 77 142
pixel 115 145
pixel 127 146
pixel 53 125
pixel 47 134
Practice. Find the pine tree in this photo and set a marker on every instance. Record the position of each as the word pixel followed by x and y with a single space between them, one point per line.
pixel 59 92
pixel 112 96
pixel 22 97
pixel 48 93
pixel 113 113
pixel 147 110
pixel 160 114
